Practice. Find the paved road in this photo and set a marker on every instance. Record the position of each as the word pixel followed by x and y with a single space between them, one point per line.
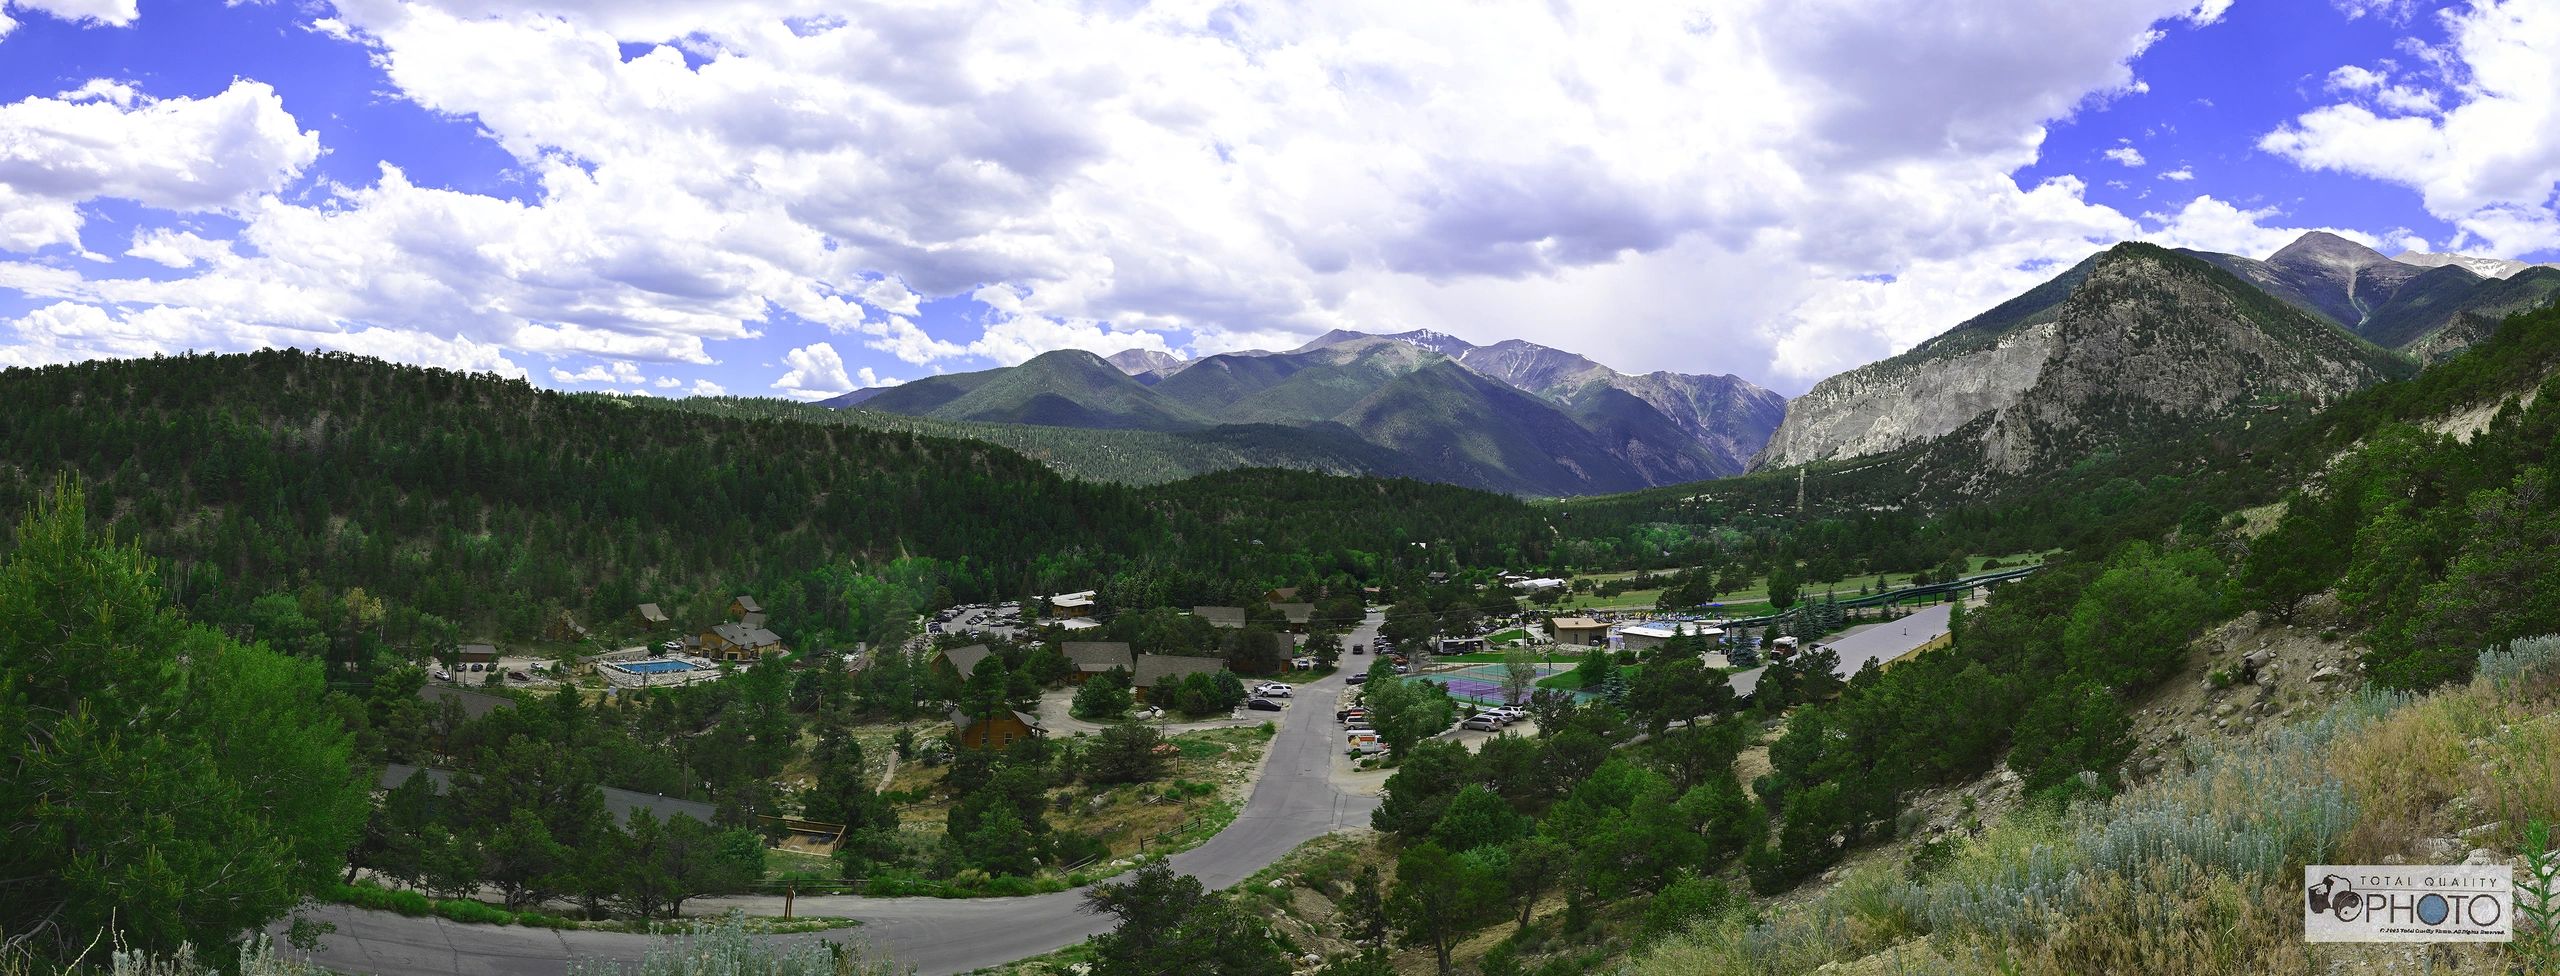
pixel 1295 802
pixel 1875 642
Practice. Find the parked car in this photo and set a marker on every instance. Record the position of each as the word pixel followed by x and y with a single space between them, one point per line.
pixel 1359 648
pixel 1352 716
pixel 443 675
pixel 1357 677
pixel 475 666
pixel 517 676
pixel 1486 722
pixel 1275 690
pixel 1262 705
pixel 1365 745
pixel 1512 713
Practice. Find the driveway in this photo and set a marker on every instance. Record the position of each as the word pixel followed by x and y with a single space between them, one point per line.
pixel 1296 801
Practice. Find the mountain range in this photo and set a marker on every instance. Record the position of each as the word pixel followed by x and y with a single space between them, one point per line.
pixel 2139 342
pixel 1513 416
pixel 2133 342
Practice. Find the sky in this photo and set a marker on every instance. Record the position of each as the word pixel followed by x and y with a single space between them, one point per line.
pixel 797 198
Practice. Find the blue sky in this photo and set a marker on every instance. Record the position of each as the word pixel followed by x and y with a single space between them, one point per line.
pixel 792 198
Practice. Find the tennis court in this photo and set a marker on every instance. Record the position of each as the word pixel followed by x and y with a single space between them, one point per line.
pixel 1482 684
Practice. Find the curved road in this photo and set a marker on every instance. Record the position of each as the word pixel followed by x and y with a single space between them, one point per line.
pixel 1873 642
pixel 1294 802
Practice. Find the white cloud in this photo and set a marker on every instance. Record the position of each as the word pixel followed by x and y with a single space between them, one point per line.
pixel 2209 12
pixel 86 13
pixel 2490 162
pixel 617 372
pixel 867 379
pixel 2395 11
pixel 70 332
pixel 176 249
pixel 816 373
pixel 2126 155
pixel 668 382
pixel 103 139
pixel 1194 176
pixel 2181 174
pixel 706 388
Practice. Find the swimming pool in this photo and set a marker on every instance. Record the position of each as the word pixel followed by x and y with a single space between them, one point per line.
pixel 656 667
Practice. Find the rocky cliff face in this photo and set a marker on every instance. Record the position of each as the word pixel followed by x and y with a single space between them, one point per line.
pixel 1883 406
pixel 2143 340
pixel 2154 341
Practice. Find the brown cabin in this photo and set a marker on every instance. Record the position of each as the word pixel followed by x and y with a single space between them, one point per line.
pixel 1169 669
pixel 1095 657
pixel 739 642
pixel 742 606
pixel 650 616
pixel 994 732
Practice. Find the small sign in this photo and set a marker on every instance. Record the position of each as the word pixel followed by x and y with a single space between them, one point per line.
pixel 2408 903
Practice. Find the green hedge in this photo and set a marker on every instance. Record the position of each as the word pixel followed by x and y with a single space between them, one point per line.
pixel 377 898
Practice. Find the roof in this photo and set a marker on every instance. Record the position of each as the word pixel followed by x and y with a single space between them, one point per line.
pixel 1228 617
pixel 1663 631
pixel 1576 623
pixel 474 703
pixel 746 636
pixel 1079 623
pixel 650 611
pixel 1082 599
pixel 747 604
pixel 753 619
pixel 485 650
pixel 1296 612
pixel 962 721
pixel 1096 657
pixel 1153 669
pixel 619 802
pixel 1281 594
pixel 965 659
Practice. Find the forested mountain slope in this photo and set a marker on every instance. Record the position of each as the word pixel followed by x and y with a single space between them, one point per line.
pixel 410 506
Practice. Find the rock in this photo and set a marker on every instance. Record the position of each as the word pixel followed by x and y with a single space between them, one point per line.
pixel 2007 776
pixel 2482 828
pixel 2481 855
pixel 2327 673
pixel 2258 659
pixel 1277 883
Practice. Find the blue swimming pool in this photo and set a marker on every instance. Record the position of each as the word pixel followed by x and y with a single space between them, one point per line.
pixel 655 667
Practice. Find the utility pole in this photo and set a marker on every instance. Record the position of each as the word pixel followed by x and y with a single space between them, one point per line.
pixel 1799 492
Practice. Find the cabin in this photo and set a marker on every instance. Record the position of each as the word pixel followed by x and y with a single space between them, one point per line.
pixel 476 654
pixel 1297 614
pixel 1579 631
pixel 742 606
pixel 1091 658
pixel 1462 645
pixel 753 620
pixel 563 627
pixel 961 662
pixel 1077 604
pixel 651 618
pixel 739 642
pixel 1223 618
pixel 993 732
pixel 1079 623
pixel 1280 594
pixel 1168 669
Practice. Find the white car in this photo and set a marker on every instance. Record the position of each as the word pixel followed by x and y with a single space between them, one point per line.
pixel 443 675
pixel 1274 690
pixel 1512 713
